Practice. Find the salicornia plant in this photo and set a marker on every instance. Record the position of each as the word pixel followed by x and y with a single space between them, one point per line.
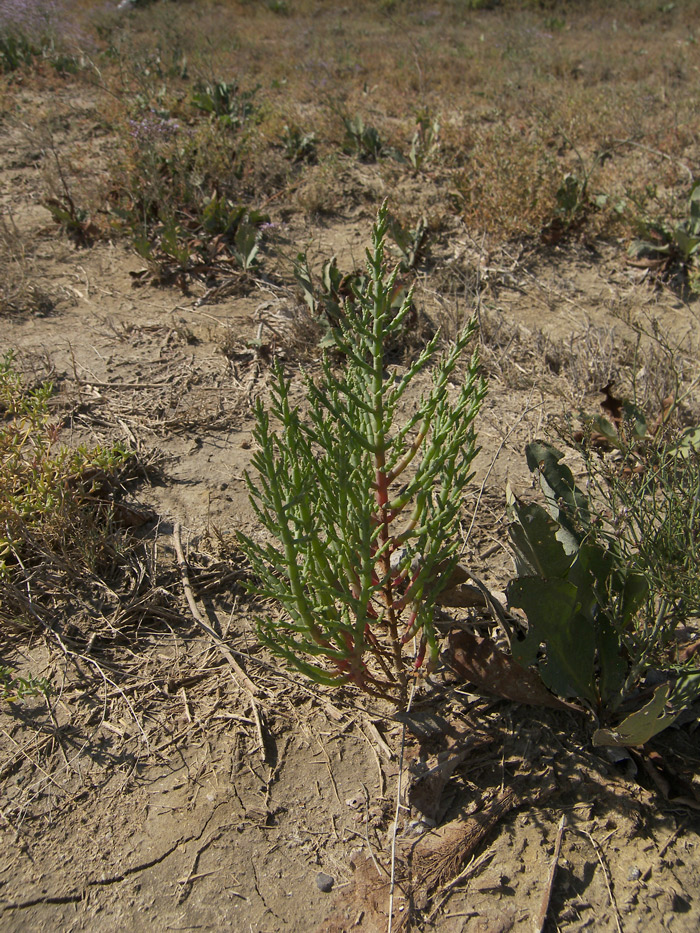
pixel 362 511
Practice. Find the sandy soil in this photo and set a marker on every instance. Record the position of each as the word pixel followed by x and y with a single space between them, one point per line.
pixel 163 787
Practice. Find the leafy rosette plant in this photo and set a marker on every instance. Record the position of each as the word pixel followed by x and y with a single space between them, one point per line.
pixel 604 583
pixel 361 510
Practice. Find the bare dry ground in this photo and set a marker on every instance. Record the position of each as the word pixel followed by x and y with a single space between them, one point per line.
pixel 174 780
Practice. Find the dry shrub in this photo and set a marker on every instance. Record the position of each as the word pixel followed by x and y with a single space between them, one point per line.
pixel 509 184
pixel 18 292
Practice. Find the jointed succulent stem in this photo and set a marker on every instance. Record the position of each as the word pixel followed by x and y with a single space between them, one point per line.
pixel 359 561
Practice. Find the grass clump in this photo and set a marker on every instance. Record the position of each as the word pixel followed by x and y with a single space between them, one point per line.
pixel 55 502
pixel 181 182
pixel 33 30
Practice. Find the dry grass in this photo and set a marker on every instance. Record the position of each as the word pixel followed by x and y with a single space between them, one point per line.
pixel 533 95
pixel 19 291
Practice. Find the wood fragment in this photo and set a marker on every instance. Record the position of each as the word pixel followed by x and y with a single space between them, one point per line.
pixel 186 704
pixel 541 918
pixel 375 736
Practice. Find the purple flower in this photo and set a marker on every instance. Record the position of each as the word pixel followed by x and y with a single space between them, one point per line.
pixel 34 18
pixel 39 20
pixel 152 127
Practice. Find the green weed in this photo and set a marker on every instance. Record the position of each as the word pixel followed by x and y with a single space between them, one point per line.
pixel 179 179
pixel 53 499
pixel 327 298
pixel 606 577
pixel 14 688
pixel 16 50
pixel 665 245
pixel 362 511
pixel 425 142
pixel 298 146
pixel 361 140
pixel 226 102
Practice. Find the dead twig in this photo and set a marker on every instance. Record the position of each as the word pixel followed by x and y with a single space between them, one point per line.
pixel 606 875
pixel 239 675
pixel 541 918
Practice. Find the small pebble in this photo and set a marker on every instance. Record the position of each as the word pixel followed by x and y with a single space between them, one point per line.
pixel 324 882
pixel 634 874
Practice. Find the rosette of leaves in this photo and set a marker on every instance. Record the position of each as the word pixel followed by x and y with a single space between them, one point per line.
pixel 605 581
pixel 361 509
pixel 664 244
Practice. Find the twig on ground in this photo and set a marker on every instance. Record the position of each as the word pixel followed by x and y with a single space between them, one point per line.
pixel 381 870
pixel 541 918
pixel 239 675
pixel 328 766
pixel 377 761
pixel 474 866
pixel 606 874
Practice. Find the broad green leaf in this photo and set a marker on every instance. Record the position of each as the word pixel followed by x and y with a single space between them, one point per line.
pixel 694 209
pixel 645 249
pixel 534 536
pixel 635 418
pixel 686 690
pixel 661 711
pixel 589 573
pixel 551 607
pixel 611 662
pixel 558 484
pixel 634 593
pixel 641 726
pixel 247 244
pixel 689 443
pixel 604 427
pixel 302 274
pixel 686 243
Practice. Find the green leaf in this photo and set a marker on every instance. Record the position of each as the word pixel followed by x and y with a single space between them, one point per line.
pixel 689 443
pixel 551 607
pixel 646 249
pixel 565 501
pixel 608 430
pixel 694 209
pixel 611 662
pixel 537 550
pixel 590 573
pixel 662 710
pixel 641 726
pixel 634 593
pixel 687 244
pixel 247 244
pixel 302 274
